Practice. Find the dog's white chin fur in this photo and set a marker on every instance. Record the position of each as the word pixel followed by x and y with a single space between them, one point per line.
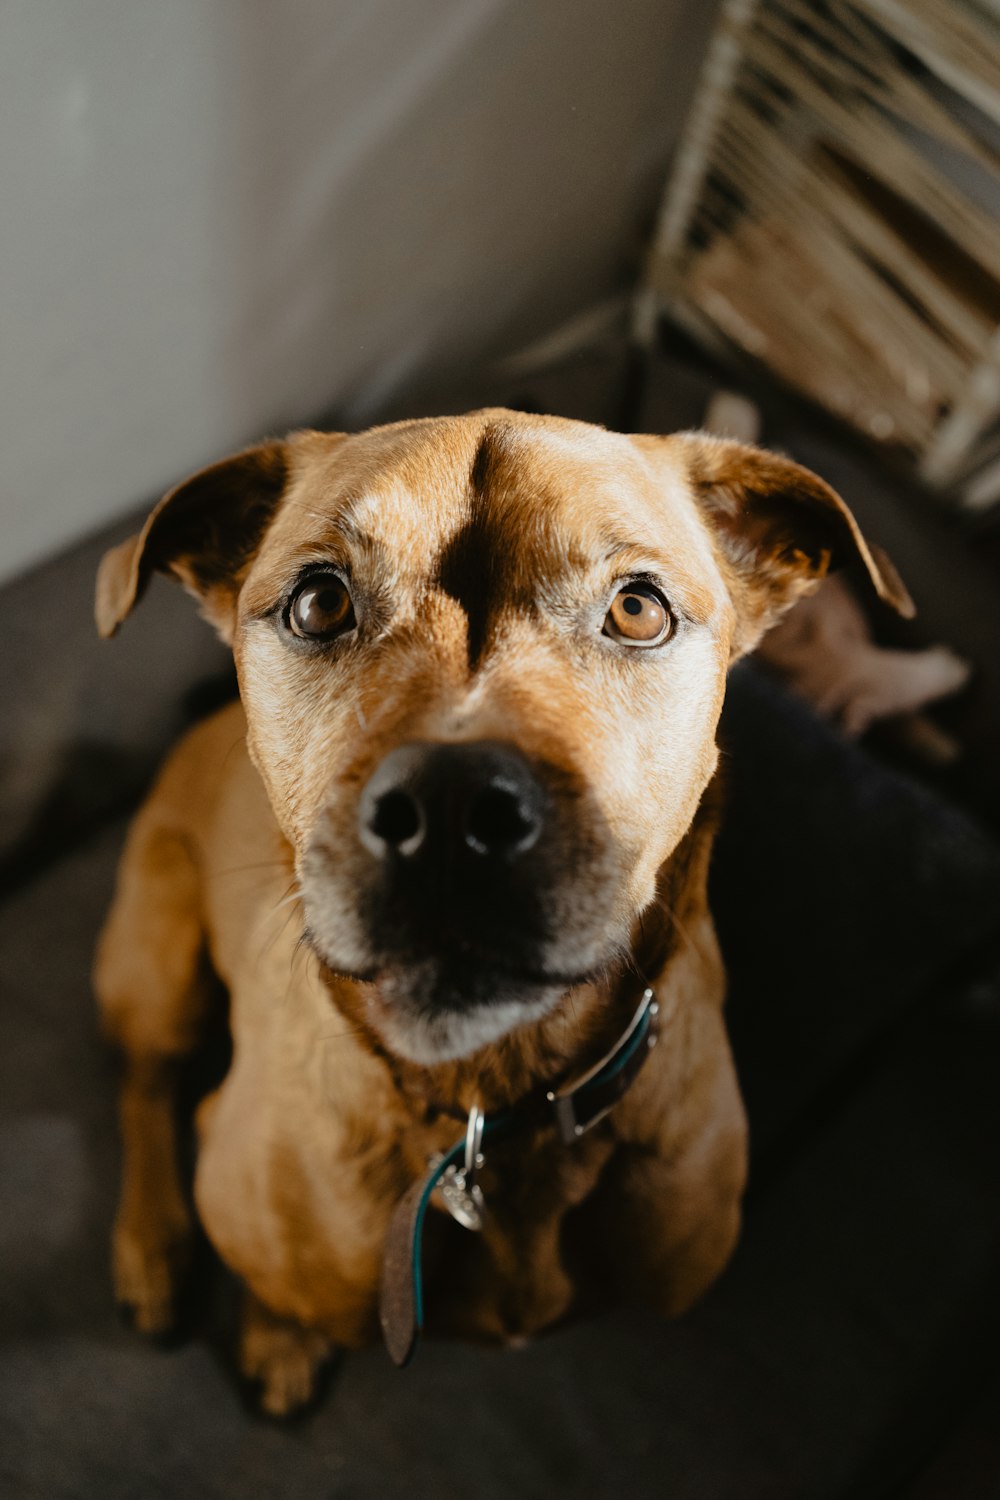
pixel 442 1036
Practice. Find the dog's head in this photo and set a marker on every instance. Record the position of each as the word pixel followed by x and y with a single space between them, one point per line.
pixel 483 660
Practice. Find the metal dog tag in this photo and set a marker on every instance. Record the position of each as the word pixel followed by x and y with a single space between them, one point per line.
pixel 463 1197
pixel 463 1201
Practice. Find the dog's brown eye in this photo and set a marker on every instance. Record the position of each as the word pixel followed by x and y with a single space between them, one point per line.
pixel 638 617
pixel 320 607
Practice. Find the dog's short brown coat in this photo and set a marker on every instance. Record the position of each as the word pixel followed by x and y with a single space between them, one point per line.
pixel 482 552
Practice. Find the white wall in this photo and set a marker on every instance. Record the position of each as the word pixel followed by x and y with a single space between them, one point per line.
pixel 220 217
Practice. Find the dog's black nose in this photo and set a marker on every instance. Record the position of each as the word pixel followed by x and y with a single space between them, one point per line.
pixel 479 802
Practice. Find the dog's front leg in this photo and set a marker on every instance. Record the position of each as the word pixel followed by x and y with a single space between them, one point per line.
pixel 283 1359
pixel 153 1227
pixel 671 1199
pixel 152 992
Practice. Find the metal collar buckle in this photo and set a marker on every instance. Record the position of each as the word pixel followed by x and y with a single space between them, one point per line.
pixel 580 1104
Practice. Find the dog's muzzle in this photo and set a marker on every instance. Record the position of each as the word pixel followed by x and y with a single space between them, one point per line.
pixel 468 885
pixel 457 839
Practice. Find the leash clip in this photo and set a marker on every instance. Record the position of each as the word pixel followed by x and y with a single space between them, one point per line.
pixel 463 1197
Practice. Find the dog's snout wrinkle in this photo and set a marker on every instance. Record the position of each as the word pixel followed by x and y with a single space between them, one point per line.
pixel 467 574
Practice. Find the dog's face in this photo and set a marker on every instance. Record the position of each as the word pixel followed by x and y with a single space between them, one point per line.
pixel 483 660
pixel 480 755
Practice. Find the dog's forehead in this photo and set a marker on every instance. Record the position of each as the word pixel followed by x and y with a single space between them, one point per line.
pixel 546 494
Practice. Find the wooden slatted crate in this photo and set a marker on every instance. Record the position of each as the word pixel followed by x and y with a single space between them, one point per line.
pixel 834 211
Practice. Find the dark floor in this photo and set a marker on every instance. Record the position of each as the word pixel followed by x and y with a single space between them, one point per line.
pixel 851 1348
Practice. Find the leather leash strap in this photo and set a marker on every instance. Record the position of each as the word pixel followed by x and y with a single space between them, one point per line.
pixel 573 1107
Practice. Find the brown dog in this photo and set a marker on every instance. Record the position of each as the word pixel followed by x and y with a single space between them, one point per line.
pixel 462 816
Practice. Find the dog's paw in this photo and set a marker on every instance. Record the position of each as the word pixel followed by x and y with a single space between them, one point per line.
pixel 282 1359
pixel 147 1269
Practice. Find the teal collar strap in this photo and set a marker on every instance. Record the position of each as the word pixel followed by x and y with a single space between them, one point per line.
pixel 573 1107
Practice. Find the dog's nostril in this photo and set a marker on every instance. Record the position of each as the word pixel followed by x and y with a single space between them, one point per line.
pixel 426 807
pixel 497 821
pixel 396 819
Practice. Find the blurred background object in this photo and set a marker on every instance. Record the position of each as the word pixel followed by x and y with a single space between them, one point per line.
pixel 824 651
pixel 832 212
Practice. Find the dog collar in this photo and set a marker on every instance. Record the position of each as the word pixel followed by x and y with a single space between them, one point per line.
pixel 573 1107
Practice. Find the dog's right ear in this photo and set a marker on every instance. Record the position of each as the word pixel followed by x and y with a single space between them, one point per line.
pixel 777 528
pixel 204 532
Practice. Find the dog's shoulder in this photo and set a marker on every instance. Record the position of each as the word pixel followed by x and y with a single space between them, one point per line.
pixel 201 765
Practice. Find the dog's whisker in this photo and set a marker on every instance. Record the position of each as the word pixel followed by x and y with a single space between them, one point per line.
pixel 264 864
pixel 337 1036
pixel 302 945
pixel 288 900
pixel 291 972
pixel 271 942
pixel 676 922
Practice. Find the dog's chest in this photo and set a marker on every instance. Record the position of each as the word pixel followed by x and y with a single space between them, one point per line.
pixel 514 1278
pixel 296 1190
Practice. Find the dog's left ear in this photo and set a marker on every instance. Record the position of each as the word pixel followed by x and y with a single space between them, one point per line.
pixel 778 529
pixel 204 532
